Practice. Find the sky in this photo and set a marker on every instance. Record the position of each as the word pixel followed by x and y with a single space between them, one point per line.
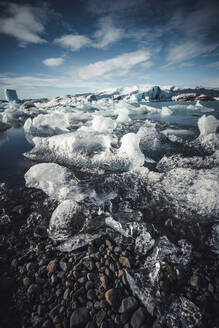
pixel 59 47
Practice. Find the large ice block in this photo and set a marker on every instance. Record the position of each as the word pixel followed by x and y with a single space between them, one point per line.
pixel 11 95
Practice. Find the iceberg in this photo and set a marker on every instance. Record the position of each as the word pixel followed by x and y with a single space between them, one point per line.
pixel 156 93
pixel 11 95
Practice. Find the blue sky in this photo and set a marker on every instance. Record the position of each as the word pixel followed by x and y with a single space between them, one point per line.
pixel 64 47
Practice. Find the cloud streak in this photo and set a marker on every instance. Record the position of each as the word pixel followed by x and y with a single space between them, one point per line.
pixel 114 67
pixel 187 50
pixel 23 22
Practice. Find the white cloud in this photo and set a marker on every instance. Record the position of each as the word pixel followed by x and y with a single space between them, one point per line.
pixel 53 61
pixel 73 41
pixel 188 50
pixel 107 33
pixel 23 22
pixel 213 65
pixel 117 66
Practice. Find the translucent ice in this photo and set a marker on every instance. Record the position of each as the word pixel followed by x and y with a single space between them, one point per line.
pixel 56 181
pixel 142 282
pixel 66 220
pixel 130 149
pixel 77 241
pixel 207 125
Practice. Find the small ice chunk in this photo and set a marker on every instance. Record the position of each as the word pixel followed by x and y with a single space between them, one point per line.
pixel 103 124
pixel 77 241
pixel 130 148
pixel 135 230
pixel 122 108
pixel 207 125
pixel 142 289
pixel 49 124
pixel 66 220
pixel 166 111
pixel 56 181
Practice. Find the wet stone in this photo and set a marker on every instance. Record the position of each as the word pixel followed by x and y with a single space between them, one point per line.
pixel 129 304
pixel 91 295
pixel 89 285
pixel 138 318
pixel 113 296
pixel 100 317
pixel 124 261
pixel 105 282
pixel 194 280
pixel 63 266
pixel 32 289
pixel 26 282
pixel 79 318
pixel 51 266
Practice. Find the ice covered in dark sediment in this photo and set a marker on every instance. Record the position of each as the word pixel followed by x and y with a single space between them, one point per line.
pixel 142 282
pixel 194 162
pixel 136 230
pixel 182 313
pixel 191 193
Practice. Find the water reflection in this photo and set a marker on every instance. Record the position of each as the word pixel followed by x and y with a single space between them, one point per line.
pixel 3 137
pixel 12 145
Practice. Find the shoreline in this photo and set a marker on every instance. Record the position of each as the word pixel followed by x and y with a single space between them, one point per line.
pixel 47 288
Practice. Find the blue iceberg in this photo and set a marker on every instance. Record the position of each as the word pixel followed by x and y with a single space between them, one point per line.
pixel 11 95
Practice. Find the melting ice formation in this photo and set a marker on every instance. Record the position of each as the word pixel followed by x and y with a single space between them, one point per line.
pixel 103 140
